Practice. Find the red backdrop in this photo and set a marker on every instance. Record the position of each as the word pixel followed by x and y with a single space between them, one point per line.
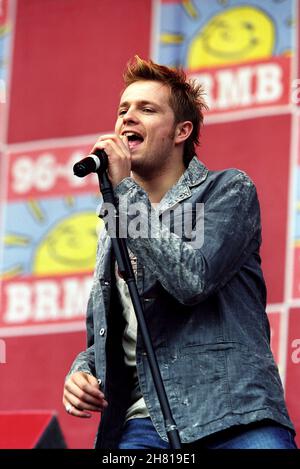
pixel 63 79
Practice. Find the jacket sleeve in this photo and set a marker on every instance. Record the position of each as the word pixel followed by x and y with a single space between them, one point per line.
pixel 231 233
pixel 84 362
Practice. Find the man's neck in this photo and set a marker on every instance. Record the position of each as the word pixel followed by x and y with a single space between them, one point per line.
pixel 157 185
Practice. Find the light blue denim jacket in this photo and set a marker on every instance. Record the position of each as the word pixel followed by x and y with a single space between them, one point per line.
pixel 205 309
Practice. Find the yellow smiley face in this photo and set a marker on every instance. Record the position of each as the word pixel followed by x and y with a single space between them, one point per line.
pixel 69 247
pixel 235 35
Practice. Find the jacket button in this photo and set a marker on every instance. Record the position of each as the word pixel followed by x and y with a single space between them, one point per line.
pixel 102 331
pixel 104 282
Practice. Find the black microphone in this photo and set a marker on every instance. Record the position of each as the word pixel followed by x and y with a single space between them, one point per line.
pixel 95 162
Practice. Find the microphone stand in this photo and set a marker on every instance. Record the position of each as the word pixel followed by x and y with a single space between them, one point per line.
pixel 125 268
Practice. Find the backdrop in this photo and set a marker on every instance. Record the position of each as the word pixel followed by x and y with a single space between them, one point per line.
pixel 61 63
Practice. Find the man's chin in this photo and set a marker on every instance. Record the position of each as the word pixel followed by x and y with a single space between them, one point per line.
pixel 136 160
pixel 139 166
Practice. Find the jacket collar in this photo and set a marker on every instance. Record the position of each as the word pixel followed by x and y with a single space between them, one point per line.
pixel 194 175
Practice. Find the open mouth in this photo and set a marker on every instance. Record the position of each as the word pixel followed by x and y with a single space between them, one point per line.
pixel 134 139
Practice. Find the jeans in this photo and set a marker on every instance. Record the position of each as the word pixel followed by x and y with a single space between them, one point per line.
pixel 140 433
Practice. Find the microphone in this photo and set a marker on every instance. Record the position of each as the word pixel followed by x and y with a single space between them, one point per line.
pixel 95 162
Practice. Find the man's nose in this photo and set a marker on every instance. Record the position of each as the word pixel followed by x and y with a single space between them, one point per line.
pixel 130 116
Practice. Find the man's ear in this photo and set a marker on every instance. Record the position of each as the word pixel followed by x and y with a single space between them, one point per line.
pixel 183 131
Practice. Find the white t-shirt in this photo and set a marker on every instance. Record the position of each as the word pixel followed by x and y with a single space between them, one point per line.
pixel 137 407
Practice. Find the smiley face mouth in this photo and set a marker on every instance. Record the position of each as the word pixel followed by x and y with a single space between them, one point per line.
pixel 235 50
pixel 233 53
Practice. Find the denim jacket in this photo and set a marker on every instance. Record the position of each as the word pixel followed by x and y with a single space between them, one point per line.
pixel 205 310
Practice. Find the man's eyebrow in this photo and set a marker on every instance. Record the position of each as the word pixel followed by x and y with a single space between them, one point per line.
pixel 139 103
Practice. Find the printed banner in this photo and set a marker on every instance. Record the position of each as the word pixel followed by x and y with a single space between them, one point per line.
pixel 240 52
pixel 49 236
pixel 48 172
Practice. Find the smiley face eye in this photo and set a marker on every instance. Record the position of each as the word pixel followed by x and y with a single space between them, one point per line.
pixel 248 26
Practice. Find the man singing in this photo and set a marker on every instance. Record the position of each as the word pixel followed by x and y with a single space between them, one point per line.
pixel 204 302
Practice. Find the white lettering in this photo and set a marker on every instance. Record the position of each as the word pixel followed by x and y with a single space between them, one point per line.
pixel 234 88
pixel 75 296
pixel 23 175
pixel 46 294
pixel 46 300
pixel 244 86
pixel 19 297
pixel 269 84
